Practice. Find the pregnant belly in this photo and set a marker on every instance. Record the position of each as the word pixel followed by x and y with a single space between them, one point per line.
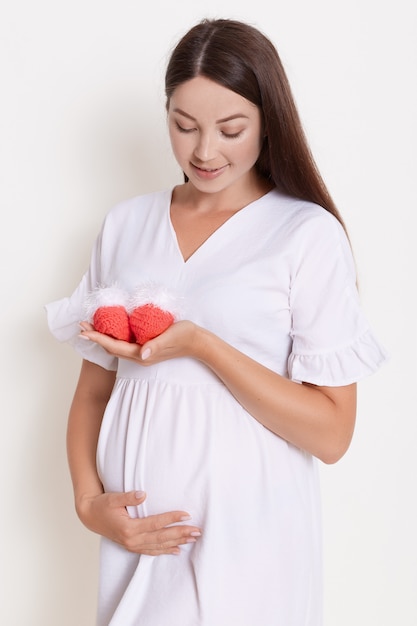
pixel 190 448
pixel 162 438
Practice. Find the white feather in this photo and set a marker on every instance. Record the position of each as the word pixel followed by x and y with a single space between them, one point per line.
pixel 105 296
pixel 158 295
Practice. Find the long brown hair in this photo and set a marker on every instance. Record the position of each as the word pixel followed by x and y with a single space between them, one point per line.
pixel 239 57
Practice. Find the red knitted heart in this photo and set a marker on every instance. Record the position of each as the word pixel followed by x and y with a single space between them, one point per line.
pixel 113 321
pixel 149 321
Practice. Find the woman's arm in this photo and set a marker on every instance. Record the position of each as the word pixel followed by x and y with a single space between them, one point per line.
pixel 319 420
pixel 89 402
pixel 106 513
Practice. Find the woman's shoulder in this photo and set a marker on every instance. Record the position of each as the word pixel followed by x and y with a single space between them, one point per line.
pixel 303 217
pixel 140 203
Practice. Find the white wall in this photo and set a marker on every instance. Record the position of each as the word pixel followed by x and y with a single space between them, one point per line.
pixel 82 127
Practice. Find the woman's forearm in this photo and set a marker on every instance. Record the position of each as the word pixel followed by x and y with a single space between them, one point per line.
pixel 85 416
pixel 317 419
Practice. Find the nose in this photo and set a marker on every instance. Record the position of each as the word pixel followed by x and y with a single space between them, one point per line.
pixel 205 148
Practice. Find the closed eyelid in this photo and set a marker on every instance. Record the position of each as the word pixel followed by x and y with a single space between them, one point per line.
pixel 184 129
pixel 232 135
pixel 224 131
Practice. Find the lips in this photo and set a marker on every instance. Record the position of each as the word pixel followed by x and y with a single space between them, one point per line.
pixel 208 173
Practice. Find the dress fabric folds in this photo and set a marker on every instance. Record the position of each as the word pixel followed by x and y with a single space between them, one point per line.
pixel 277 281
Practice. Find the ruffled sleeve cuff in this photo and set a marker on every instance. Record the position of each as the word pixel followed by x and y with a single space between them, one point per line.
pixel 63 321
pixel 340 367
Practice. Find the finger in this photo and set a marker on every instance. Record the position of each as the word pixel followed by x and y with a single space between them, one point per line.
pixel 125 498
pixel 173 551
pixel 162 520
pixel 130 498
pixel 86 326
pixel 113 346
pixel 160 543
pixel 149 534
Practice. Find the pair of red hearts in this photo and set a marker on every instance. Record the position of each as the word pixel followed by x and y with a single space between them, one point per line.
pixel 141 325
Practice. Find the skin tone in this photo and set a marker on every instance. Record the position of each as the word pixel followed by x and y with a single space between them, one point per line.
pixel 216 137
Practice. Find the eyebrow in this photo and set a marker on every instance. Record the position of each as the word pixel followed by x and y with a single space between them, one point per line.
pixel 224 119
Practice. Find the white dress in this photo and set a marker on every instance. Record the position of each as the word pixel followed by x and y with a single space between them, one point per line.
pixel 276 281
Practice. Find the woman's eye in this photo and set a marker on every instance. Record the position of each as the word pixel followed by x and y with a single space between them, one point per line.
pixel 231 135
pixel 182 129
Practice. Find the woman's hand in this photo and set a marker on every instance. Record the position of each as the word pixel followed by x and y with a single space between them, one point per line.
pixel 317 419
pixel 106 514
pixel 179 340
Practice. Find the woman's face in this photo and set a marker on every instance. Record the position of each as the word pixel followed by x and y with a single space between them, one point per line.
pixel 216 134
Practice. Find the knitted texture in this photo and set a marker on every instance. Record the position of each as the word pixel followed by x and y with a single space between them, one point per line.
pixel 149 321
pixel 135 317
pixel 113 321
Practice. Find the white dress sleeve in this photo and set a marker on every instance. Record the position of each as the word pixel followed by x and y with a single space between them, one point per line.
pixel 64 315
pixel 333 344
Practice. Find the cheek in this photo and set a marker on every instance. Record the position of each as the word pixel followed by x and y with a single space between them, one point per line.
pixel 176 146
pixel 249 153
pixel 181 143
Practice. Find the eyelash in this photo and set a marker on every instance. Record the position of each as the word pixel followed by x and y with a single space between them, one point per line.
pixel 190 130
pixel 232 135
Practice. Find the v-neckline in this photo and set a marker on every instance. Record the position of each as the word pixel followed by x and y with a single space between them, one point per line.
pixel 206 243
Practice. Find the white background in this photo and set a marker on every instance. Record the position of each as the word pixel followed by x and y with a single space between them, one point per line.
pixel 82 127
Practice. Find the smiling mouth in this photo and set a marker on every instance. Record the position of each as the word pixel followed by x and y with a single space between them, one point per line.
pixel 208 170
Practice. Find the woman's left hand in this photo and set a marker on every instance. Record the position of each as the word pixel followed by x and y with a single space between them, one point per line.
pixel 179 340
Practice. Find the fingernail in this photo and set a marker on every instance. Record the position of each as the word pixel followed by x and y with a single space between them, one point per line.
pixel 84 337
pixel 139 494
pixel 146 353
pixel 195 533
pixel 191 540
pixel 185 518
